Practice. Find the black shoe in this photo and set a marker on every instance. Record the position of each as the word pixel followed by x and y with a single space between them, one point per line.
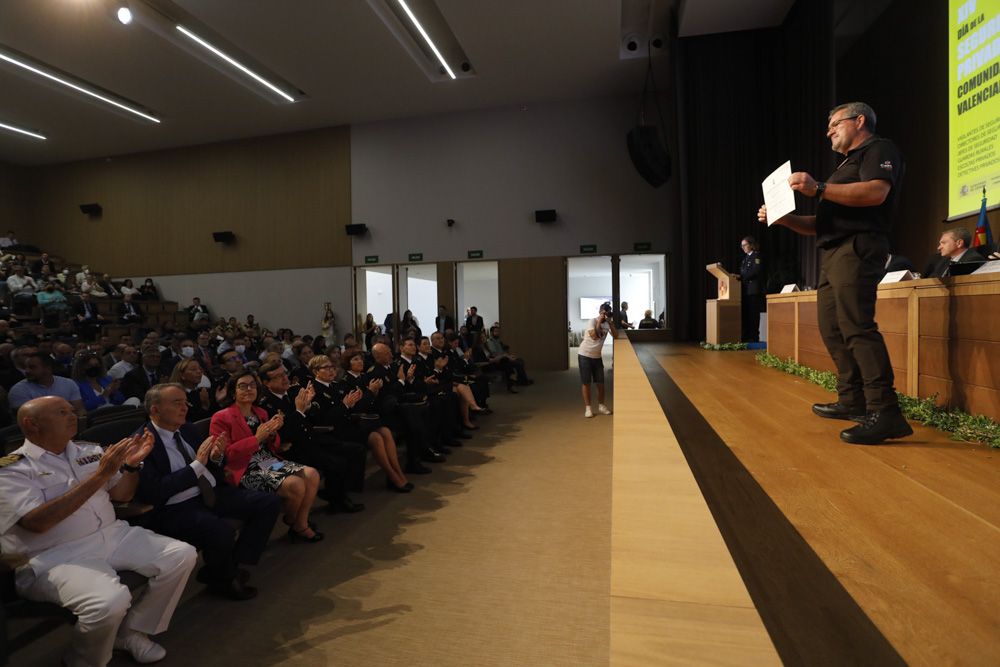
pixel 296 536
pixel 510 389
pixel 406 488
pixel 417 469
pixel 345 504
pixel 878 425
pixel 839 411
pixel 233 590
pixel 432 457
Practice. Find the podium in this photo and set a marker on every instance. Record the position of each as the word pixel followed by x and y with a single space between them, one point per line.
pixel 723 319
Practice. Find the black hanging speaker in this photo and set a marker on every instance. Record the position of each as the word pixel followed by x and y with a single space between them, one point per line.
pixel 648 154
pixel 545 215
pixel 91 210
pixel 225 238
pixel 356 230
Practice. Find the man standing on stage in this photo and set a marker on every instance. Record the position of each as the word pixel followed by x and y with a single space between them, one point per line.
pixel 851 226
pixel 753 290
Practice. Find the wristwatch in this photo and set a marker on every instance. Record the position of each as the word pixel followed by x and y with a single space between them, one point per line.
pixel 820 189
pixel 127 468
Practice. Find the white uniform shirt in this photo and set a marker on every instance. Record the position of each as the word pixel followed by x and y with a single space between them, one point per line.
pixel 40 476
pixel 590 347
pixel 120 368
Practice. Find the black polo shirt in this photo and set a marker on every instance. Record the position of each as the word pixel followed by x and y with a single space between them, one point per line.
pixel 875 159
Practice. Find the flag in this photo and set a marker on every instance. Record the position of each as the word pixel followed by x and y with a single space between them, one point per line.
pixel 984 237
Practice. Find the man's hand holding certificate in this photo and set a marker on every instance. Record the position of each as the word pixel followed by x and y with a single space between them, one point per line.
pixel 779 198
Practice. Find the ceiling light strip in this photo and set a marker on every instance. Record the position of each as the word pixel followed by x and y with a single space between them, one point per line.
pixel 11 128
pixel 253 75
pixel 74 86
pixel 423 33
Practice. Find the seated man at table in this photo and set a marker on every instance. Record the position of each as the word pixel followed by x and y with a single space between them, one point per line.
pixel 647 321
pixel 56 513
pixel 954 247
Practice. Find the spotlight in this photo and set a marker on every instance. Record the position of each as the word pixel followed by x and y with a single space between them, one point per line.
pixel 124 14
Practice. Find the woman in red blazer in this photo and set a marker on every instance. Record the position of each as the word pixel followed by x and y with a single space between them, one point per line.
pixel 252 456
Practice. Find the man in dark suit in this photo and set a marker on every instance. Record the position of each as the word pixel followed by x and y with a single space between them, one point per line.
pixel 444 321
pixel 342 464
pixel 45 260
pixel 129 311
pixel 86 318
pixel 474 323
pixel 183 479
pixel 751 283
pixel 954 248
pixel 138 381
pixel 898 263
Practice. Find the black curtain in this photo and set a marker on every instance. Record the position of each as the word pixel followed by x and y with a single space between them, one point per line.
pixel 747 102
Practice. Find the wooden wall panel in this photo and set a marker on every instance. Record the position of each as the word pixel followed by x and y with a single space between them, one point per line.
pixel 533 310
pixel 891 315
pixel 781 339
pixel 818 360
pixel 809 338
pixel 808 313
pixel 13 203
pixel 966 361
pixel 446 288
pixel 287 199
pixel 896 344
pixel 971 316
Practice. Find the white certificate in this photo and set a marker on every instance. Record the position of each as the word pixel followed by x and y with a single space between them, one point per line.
pixel 779 198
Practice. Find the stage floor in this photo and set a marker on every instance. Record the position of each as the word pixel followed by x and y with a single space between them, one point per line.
pixel 851 554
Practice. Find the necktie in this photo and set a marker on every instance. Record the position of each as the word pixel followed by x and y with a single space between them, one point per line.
pixel 207 492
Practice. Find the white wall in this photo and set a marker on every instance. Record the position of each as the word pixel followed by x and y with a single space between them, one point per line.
pixel 285 298
pixel 490 170
pixel 478 284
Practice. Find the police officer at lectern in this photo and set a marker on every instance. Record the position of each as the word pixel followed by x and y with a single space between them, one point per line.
pixel 751 279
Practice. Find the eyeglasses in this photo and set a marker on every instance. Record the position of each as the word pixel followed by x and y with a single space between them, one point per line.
pixel 324 367
pixel 839 121
pixel 243 386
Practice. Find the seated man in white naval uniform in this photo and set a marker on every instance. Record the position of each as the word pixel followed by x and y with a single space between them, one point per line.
pixel 56 512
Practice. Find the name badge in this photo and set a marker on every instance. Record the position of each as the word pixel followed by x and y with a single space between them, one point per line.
pixel 84 460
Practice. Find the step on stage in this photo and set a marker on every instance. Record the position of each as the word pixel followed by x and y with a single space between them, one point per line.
pixel 884 555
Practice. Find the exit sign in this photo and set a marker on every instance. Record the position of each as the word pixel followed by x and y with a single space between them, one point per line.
pixel 475 254
pixel 644 246
pixel 371 259
pixel 588 249
pixel 416 256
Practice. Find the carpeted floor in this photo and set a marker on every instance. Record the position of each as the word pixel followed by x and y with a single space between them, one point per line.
pixel 500 557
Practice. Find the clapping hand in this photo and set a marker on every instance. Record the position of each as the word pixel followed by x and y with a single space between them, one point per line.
pixel 351 398
pixel 140 448
pixel 375 385
pixel 305 398
pixel 114 456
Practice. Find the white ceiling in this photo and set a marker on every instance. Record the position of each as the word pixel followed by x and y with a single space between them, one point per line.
pixel 337 51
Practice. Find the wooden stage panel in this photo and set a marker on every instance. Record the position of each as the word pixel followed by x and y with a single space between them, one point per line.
pixel 896 344
pixel 910 529
pixel 974 317
pixel 976 399
pixel 783 313
pixel 891 315
pixel 818 360
pixel 808 314
pixel 781 340
pixel 810 339
pixel 964 361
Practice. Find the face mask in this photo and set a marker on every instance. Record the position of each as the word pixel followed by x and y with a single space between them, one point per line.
pixel 187 352
pixel 93 372
pixel 240 349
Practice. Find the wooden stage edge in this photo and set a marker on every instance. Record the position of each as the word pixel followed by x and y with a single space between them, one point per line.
pixel 851 555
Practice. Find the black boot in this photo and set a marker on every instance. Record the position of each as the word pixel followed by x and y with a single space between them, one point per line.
pixel 878 425
pixel 840 411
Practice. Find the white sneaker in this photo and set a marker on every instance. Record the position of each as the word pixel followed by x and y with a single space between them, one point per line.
pixel 588 412
pixel 142 649
pixel 603 409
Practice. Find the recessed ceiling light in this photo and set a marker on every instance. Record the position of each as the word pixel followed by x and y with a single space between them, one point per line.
pixel 234 63
pixel 40 70
pixel 22 131
pixel 423 33
pixel 124 15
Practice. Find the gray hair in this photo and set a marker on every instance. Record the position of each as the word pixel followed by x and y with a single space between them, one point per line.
pixel 961 234
pixel 156 391
pixel 856 109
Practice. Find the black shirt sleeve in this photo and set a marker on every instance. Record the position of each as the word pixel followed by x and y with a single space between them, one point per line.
pixel 881 162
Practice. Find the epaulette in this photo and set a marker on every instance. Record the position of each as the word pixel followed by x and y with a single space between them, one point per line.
pixel 370 369
pixel 9 459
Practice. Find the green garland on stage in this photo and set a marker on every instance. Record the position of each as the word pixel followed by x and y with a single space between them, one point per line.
pixel 961 425
pixel 724 347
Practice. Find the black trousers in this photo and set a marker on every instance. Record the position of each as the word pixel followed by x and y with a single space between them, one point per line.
pixel 214 533
pixel 342 464
pixel 412 421
pixel 845 301
pixel 750 316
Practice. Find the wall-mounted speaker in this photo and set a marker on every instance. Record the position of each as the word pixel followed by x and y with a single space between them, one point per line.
pixel 225 238
pixel 545 215
pixel 648 154
pixel 356 230
pixel 91 210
